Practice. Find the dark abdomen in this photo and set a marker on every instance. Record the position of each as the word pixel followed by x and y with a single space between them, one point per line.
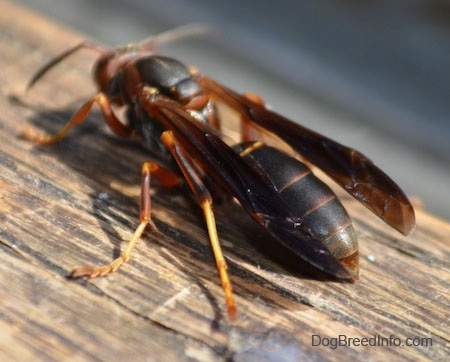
pixel 316 206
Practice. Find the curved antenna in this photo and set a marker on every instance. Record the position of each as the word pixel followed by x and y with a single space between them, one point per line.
pixel 146 44
pixel 174 34
pixel 54 61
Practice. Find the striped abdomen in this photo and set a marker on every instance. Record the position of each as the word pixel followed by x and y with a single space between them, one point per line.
pixel 315 204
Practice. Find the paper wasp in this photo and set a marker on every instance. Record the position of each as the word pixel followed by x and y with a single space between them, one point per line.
pixel 172 109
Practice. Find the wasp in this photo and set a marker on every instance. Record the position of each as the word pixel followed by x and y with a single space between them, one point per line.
pixel 172 109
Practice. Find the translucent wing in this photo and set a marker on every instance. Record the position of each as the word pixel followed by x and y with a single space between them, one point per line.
pixel 226 168
pixel 347 167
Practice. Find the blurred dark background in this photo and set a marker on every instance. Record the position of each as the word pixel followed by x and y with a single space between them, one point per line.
pixel 371 74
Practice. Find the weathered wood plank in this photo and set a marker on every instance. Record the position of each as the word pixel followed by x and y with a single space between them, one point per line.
pixel 71 204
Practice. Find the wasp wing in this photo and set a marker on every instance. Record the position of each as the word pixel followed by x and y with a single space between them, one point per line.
pixel 226 168
pixel 347 167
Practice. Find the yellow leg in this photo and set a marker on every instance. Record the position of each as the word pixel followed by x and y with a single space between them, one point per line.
pixel 204 198
pixel 115 264
pixel 145 219
pixel 220 260
pixel 79 117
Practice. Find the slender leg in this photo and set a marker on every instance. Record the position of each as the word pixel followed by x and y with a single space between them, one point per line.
pixel 165 177
pixel 205 201
pixel 79 117
pixel 144 218
pixel 249 130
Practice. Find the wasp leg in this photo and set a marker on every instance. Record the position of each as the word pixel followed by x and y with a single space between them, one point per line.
pixel 79 117
pixel 165 177
pixel 249 130
pixel 145 220
pixel 253 132
pixel 204 198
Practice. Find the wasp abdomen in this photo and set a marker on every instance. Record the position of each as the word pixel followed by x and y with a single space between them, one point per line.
pixel 315 204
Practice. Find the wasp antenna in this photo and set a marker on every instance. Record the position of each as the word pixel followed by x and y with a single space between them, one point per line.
pixel 54 61
pixel 174 34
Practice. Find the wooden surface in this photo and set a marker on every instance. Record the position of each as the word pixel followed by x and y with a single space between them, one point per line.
pixel 71 204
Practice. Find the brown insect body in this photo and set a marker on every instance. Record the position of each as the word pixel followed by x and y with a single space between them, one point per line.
pixel 315 205
pixel 313 211
pixel 172 109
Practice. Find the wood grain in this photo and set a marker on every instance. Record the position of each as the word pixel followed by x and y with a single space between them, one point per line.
pixel 71 204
